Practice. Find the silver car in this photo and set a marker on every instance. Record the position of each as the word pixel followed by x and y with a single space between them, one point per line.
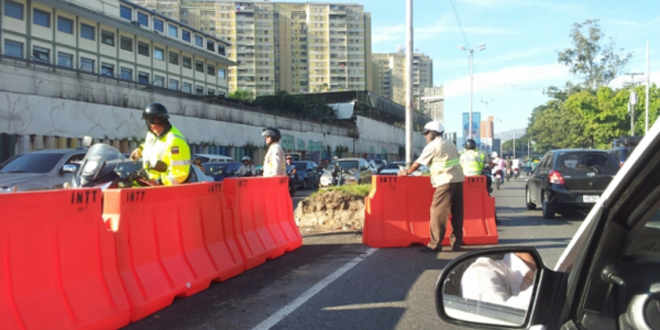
pixel 40 170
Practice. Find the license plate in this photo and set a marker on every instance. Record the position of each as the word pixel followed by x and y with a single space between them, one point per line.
pixel 590 198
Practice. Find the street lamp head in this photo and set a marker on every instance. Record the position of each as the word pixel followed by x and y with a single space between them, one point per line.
pixel 482 47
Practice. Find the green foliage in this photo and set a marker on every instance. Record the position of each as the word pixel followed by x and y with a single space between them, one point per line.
pixel 595 62
pixel 340 150
pixel 241 95
pixel 359 190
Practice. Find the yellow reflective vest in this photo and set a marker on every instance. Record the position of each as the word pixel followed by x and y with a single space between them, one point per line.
pixel 173 150
pixel 472 162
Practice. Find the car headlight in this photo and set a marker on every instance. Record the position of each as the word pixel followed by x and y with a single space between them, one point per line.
pixel 8 189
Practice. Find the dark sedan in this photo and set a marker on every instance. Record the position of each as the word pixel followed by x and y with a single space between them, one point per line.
pixel 39 170
pixel 567 180
pixel 307 174
pixel 220 171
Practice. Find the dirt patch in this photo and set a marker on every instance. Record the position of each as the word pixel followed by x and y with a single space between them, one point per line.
pixel 330 211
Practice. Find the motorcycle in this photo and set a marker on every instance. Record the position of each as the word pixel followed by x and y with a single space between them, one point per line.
pixel 499 178
pixel 105 167
pixel 516 172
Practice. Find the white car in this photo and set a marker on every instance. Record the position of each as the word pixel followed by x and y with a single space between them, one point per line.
pixel 608 277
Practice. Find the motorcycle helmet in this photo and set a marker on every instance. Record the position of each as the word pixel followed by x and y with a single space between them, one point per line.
pixel 470 144
pixel 246 158
pixel 155 113
pixel 494 154
pixel 274 133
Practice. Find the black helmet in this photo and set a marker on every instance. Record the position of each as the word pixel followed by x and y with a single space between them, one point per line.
pixel 470 144
pixel 274 133
pixel 155 112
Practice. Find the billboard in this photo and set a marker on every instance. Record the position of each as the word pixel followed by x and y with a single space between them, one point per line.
pixel 476 124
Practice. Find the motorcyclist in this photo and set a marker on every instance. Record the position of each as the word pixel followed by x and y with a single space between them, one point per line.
pixel 499 165
pixel 165 152
pixel 515 167
pixel 274 160
pixel 291 172
pixel 473 162
pixel 247 168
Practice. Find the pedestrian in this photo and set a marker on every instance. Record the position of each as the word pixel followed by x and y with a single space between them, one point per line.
pixel 441 156
pixel 165 152
pixel 274 160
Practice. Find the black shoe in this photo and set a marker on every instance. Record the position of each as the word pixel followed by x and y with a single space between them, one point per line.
pixel 429 250
pixel 456 248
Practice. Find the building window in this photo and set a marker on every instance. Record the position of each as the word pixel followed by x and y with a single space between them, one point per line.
pixel 64 25
pixel 13 48
pixel 87 64
pixel 40 54
pixel 185 35
pixel 174 58
pixel 143 78
pixel 211 92
pixel 126 73
pixel 221 50
pixel 221 74
pixel 108 38
pixel 87 32
pixel 65 60
pixel 143 48
pixel 210 45
pixel 14 10
pixel 211 70
pixel 158 25
pixel 187 62
pixel 187 87
pixel 143 19
pixel 159 81
pixel 174 84
pixel 125 12
pixel 173 31
pixel 159 54
pixel 108 69
pixel 199 41
pixel 41 18
pixel 126 43
pixel 199 66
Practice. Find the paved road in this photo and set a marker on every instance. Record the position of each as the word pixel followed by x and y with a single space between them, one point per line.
pixel 335 282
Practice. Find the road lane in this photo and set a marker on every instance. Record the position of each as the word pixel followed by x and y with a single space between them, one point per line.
pixel 390 289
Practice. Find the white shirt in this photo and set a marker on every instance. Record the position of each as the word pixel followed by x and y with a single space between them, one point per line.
pixel 274 161
pixel 441 157
pixel 498 281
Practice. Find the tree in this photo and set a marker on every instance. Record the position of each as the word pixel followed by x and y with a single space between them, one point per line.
pixel 595 62
pixel 241 95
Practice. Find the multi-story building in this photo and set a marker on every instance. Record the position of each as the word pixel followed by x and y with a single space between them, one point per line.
pixel 121 40
pixel 433 103
pixel 168 8
pixel 294 47
pixel 389 72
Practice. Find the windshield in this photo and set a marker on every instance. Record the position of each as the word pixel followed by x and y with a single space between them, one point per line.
pixel 32 163
pixel 587 162
pixel 348 164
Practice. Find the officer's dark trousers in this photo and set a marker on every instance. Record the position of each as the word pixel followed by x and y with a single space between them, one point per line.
pixel 447 199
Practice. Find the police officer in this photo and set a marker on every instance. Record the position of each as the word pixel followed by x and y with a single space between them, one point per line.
pixel 442 158
pixel 472 161
pixel 274 160
pixel 246 169
pixel 165 152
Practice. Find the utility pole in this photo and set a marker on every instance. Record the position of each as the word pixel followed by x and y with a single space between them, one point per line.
pixel 632 101
pixel 409 96
pixel 648 83
pixel 470 52
pixel 514 144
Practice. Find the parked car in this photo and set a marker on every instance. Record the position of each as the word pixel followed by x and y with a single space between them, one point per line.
pixel 307 174
pixel 220 171
pixel 393 168
pixel 606 278
pixel 567 180
pixel 206 158
pixel 377 164
pixel 39 170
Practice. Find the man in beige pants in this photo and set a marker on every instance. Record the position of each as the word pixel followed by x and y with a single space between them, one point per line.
pixel 442 158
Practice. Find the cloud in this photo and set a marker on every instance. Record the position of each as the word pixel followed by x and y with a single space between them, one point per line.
pixel 622 80
pixel 397 33
pixel 521 3
pixel 516 77
pixel 388 33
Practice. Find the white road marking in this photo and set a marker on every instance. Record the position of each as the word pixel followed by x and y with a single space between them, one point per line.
pixel 390 304
pixel 311 292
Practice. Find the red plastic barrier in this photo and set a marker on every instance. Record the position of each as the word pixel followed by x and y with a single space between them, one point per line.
pixel 58 268
pixel 398 208
pixel 161 243
pixel 262 217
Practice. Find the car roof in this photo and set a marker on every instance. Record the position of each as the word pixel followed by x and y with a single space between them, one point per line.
pixel 352 158
pixel 58 151
pixel 577 150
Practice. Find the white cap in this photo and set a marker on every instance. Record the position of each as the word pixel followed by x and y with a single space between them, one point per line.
pixel 434 126
pixel 494 154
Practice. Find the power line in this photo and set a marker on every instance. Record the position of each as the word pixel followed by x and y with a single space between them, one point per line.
pixel 460 25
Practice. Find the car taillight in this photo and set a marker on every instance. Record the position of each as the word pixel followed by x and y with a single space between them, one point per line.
pixel 555 177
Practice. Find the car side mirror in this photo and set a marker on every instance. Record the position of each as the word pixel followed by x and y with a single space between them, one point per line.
pixel 495 287
pixel 69 168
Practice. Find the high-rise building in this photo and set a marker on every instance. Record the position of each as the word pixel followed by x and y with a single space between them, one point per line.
pixel 293 47
pixel 389 74
pixel 168 8
pixel 433 103
pixel 487 127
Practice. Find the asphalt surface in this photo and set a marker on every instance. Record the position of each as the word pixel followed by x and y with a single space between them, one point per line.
pixel 335 282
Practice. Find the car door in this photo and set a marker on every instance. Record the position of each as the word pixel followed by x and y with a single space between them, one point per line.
pixel 538 177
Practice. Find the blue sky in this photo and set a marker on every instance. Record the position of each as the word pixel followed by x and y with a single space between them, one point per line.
pixel 522 38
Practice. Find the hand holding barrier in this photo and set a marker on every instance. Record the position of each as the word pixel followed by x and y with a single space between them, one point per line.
pixel 397 212
pixel 58 263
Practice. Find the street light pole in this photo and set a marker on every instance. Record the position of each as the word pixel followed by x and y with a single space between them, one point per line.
pixel 470 52
pixel 409 96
